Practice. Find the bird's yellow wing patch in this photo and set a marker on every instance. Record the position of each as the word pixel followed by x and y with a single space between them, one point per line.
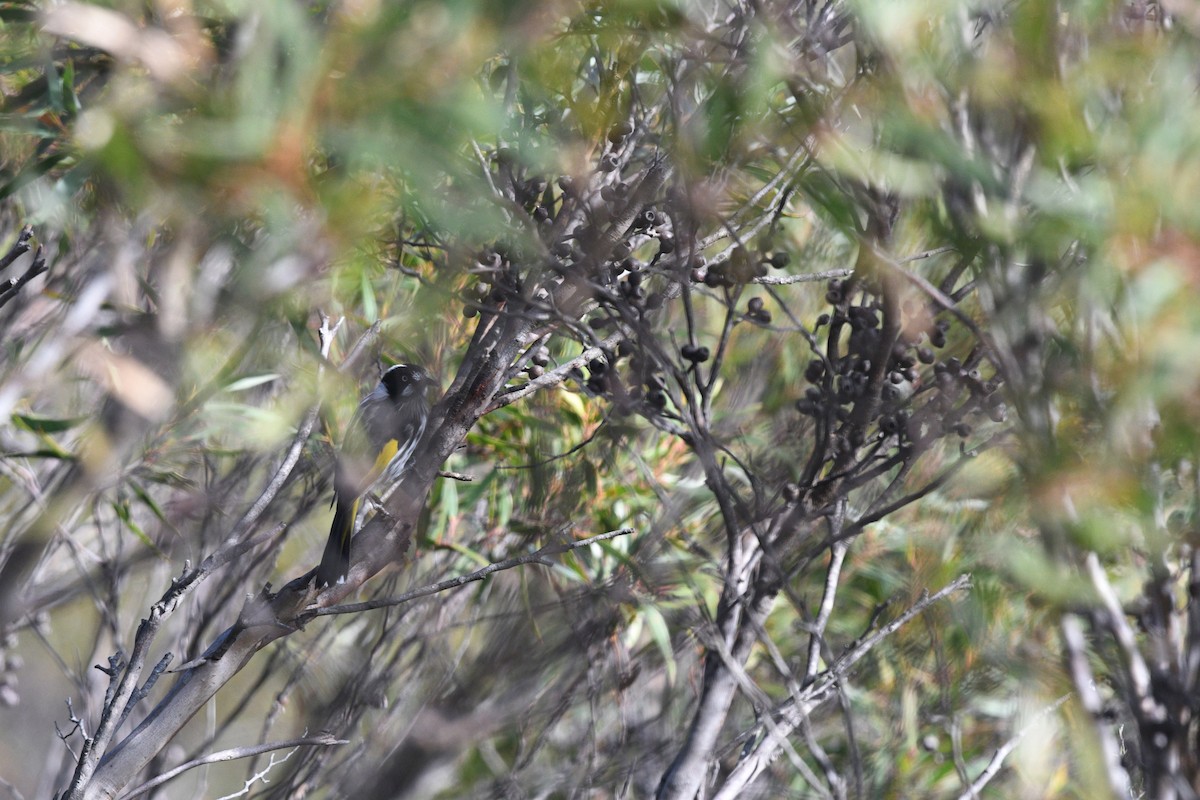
pixel 384 458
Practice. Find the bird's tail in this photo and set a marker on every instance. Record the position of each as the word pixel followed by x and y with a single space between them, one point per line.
pixel 335 563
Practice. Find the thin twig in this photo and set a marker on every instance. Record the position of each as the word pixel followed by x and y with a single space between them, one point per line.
pixel 591 437
pixel 837 555
pixel 146 687
pixel 552 377
pixel 483 168
pixel 843 664
pixel 19 248
pixel 1137 671
pixel 993 766
pixel 794 711
pixel 232 754
pixel 361 346
pixel 235 545
pixel 937 251
pixel 284 472
pixel 478 575
pixel 1084 680
pixel 805 277
pixel 16 284
pixel 935 294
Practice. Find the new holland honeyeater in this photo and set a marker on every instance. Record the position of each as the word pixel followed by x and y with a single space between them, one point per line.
pixel 379 441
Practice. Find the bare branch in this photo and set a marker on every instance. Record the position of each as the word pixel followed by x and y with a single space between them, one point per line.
pixel 1002 752
pixel 232 754
pixel 803 277
pixel 552 377
pixel 837 556
pixel 538 557
pixel 16 284
pixel 19 248
pixel 794 711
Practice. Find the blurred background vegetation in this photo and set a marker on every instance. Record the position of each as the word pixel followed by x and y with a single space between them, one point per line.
pixel 208 181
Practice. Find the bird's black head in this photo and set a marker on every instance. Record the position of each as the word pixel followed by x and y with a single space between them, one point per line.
pixel 403 380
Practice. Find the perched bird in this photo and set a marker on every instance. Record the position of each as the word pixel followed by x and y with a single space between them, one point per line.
pixel 379 441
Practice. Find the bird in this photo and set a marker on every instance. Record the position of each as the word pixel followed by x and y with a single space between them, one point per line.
pixel 380 440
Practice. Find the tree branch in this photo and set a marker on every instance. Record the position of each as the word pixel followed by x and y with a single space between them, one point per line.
pixel 537 557
pixel 232 754
pixel 795 710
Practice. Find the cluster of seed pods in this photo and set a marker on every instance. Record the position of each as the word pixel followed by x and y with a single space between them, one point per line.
pixel 921 394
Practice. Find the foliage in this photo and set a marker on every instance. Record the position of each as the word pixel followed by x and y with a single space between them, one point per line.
pixel 816 307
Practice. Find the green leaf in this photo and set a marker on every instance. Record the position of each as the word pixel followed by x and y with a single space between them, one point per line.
pixel 123 514
pixel 445 509
pixel 250 382
pixel 828 197
pixel 660 634
pixel 31 172
pixel 70 100
pixel 503 508
pixel 449 497
pixel 57 455
pixel 571 567
pixel 149 502
pixel 473 555
pixel 370 308
pixel 45 425
pixel 22 123
pixel 54 88
pixel 573 402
